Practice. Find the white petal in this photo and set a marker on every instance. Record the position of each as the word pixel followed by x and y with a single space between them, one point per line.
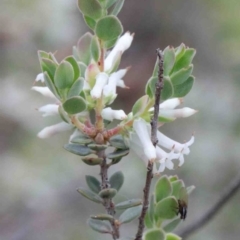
pixel 40 77
pixel 140 127
pixel 177 113
pixel 168 143
pixel 54 129
pixel 44 91
pixel 120 83
pixel 110 114
pixel 123 43
pixel 171 103
pixel 101 81
pixel 49 110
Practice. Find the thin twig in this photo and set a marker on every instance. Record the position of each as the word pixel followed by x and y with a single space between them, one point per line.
pixel 107 202
pixel 154 123
pixel 225 196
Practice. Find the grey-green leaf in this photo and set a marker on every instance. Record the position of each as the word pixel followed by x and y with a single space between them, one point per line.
pixel 89 195
pixel 76 68
pixel 154 234
pixel 108 28
pixel 48 66
pixel 172 225
pixel 182 75
pixel 50 85
pixel 163 188
pixel 167 91
pixel 100 226
pixel 130 214
pixel 117 8
pixel 119 153
pixel 129 204
pixel 167 208
pixel 176 186
pixel 183 89
pixel 116 180
pixel 185 60
pixel 93 183
pixel 84 49
pixel 107 193
pixel 103 216
pixel 90 22
pixel 77 149
pixel 169 59
pixel 117 141
pixel 76 88
pixel 95 49
pixel 74 105
pixel 64 75
pixel 91 8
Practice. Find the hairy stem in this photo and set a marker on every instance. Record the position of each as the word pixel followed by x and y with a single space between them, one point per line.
pixel 107 202
pixel 154 127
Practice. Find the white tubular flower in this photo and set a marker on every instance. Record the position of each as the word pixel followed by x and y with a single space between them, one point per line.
pixel 123 43
pixel 110 114
pixel 101 81
pixel 54 129
pixel 49 110
pixel 45 91
pixel 171 103
pixel 177 113
pixel 168 143
pixel 110 89
pixel 40 77
pixel 141 129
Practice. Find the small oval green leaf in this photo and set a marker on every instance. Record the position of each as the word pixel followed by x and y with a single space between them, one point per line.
pixel 78 149
pixel 95 49
pixel 100 226
pixel 154 234
pixel 167 208
pixel 169 59
pixel 172 225
pixel 50 85
pixel 48 66
pixel 172 236
pixel 76 88
pixel 116 180
pixel 183 89
pixel 93 183
pixel 117 8
pixel 108 28
pixel 129 204
pixel 182 75
pixel 91 8
pixel 74 105
pixel 90 195
pixel 167 91
pixel 107 193
pixel 117 141
pixel 103 217
pixel 118 154
pixel 90 22
pixel 64 75
pixel 76 68
pixel 130 214
pixel 163 188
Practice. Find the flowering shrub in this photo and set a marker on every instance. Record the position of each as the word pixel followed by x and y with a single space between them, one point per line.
pixel 87 81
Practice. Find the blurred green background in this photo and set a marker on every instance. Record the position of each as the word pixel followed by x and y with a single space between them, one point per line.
pixel 38 178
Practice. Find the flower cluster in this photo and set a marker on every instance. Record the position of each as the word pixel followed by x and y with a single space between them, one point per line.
pixel 140 140
pixel 105 83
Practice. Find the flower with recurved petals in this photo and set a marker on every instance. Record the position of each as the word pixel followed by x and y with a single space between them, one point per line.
pixel 140 142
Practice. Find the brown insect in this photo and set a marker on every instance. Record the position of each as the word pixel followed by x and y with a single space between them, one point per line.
pixel 182 203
